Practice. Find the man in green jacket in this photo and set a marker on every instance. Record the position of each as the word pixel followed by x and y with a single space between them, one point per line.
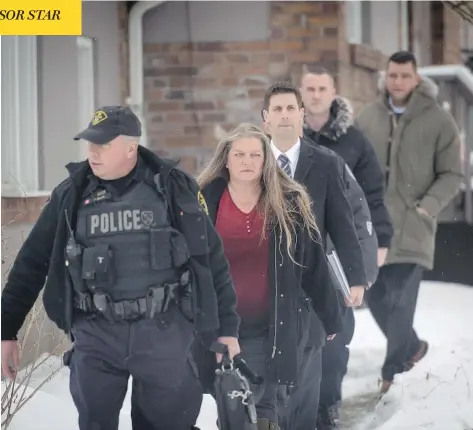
pixel 417 144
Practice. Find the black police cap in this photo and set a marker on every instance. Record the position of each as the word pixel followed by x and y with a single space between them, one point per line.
pixel 110 122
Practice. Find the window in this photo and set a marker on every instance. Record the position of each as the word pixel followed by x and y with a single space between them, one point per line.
pixel 86 84
pixel 358 22
pixel 466 36
pixel 353 21
pixel 19 115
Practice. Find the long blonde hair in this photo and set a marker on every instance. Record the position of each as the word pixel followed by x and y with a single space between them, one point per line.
pixel 277 186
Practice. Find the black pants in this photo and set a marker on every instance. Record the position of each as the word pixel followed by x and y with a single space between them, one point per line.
pixel 299 411
pixel 392 300
pixel 335 355
pixel 166 392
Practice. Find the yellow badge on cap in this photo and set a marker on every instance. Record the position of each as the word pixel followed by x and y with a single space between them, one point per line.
pixel 202 202
pixel 99 116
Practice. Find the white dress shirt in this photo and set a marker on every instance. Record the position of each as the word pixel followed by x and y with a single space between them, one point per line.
pixel 292 154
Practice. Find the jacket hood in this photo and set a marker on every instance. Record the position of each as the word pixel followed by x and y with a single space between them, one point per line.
pixel 341 119
pixel 341 116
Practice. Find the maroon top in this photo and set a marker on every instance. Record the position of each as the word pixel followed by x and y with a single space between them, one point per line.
pixel 248 257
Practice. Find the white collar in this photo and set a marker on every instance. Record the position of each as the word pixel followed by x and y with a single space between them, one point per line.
pixel 292 154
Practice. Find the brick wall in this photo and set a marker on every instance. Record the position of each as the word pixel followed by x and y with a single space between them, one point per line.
pixel 359 66
pixel 451 37
pixel 194 90
pixel 124 50
pixel 21 209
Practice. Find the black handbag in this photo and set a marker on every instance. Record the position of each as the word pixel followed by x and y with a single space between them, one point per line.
pixel 235 402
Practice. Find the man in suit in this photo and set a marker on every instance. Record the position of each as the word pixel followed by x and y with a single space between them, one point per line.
pixel 321 171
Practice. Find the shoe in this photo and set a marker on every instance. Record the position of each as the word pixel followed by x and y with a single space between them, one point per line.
pixel 328 417
pixel 420 354
pixel 265 424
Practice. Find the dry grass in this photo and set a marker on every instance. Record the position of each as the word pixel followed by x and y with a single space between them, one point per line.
pixel 38 339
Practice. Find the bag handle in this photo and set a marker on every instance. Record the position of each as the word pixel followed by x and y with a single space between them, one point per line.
pixel 237 362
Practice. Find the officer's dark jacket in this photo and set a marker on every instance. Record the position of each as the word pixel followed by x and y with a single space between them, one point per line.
pixel 41 258
pixel 339 135
pixel 296 291
pixel 362 219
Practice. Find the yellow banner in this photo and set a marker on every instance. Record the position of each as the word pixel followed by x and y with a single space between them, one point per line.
pixel 41 17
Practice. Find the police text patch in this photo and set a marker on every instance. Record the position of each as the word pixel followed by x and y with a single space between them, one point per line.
pixel 119 221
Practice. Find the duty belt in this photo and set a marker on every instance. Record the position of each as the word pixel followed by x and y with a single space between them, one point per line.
pixel 157 301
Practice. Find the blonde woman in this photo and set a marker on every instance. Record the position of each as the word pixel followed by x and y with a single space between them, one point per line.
pixel 276 258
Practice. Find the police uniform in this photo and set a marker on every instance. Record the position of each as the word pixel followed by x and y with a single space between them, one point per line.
pixel 145 270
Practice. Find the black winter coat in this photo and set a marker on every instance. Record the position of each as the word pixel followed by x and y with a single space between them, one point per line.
pixel 340 135
pixel 322 173
pixel 364 230
pixel 41 258
pixel 296 292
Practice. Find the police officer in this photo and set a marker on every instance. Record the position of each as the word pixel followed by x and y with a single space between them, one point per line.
pixel 132 268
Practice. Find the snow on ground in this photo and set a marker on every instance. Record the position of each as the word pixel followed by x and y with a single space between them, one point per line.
pixel 435 395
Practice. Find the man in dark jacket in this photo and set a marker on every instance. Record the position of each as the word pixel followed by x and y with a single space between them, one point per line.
pixel 329 123
pixel 322 173
pixel 130 260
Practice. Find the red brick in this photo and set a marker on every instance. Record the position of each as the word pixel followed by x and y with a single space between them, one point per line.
pixel 189 164
pixel 191 130
pixel 157 119
pixel 247 46
pixel 211 46
pixel 237 58
pixel 229 81
pixel 330 7
pixel 214 117
pixel 180 142
pixel 298 32
pixel 196 58
pixel 277 57
pixel 21 209
pixel 301 7
pixel 257 93
pixel 305 57
pixel 278 33
pixel 321 21
pixel 202 82
pixel 159 83
pixel 330 31
pixel 250 82
pixel 325 43
pixel 163 106
pixel 176 95
pixel 249 69
pixel 179 117
pixel 155 94
pixel 328 55
pixel 199 106
pixel 288 45
pixel 179 81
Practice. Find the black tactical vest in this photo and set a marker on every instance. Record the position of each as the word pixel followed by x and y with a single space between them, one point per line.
pixel 129 243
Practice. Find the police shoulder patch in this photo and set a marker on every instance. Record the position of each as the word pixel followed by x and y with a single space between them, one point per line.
pixel 202 202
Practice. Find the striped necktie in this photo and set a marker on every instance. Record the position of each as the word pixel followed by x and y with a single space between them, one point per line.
pixel 285 164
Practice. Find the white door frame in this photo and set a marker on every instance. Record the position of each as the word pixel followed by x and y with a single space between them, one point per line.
pixel 135 35
pixel 20 116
